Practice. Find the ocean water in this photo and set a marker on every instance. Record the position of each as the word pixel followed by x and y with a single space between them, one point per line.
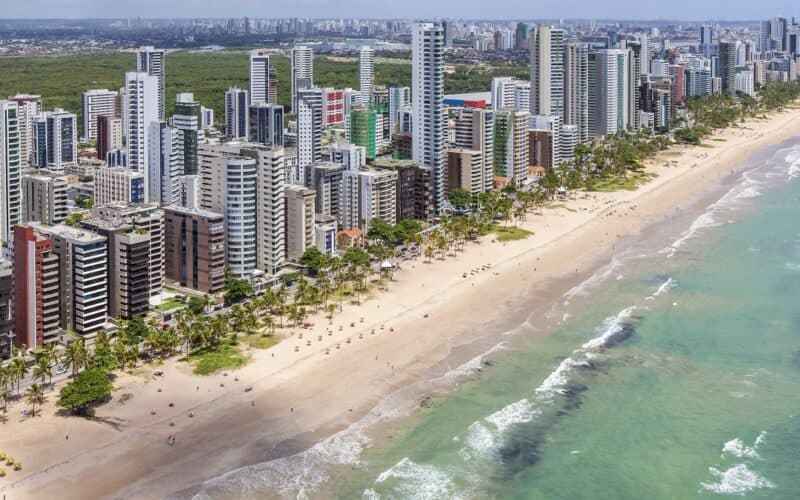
pixel 674 373
pixel 676 376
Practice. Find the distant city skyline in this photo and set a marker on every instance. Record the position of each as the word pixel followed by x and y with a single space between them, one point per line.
pixel 685 10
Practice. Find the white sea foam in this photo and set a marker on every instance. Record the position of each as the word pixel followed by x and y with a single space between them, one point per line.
pixel 793 266
pixel 737 448
pixel 703 222
pixel 612 328
pixel 471 366
pixel 408 479
pixel 661 290
pixel 519 412
pixel 738 480
pixel 595 279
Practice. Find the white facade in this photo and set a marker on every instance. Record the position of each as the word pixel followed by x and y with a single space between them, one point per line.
pixel 510 94
pixel 240 209
pixel 28 107
pixel 309 132
pixel 153 62
pixel 141 102
pixel 366 70
pixel 474 131
pixel 427 78
pixel 302 76
pixel 377 197
pixel 10 174
pixel 166 164
pixel 97 102
pixel 547 71
pixel 263 85
pixel 608 92
pixel 399 97
pixel 118 184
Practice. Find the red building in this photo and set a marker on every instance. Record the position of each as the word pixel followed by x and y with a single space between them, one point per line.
pixel 332 107
pixel 37 294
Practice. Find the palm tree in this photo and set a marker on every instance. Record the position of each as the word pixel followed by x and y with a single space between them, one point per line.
pixel 42 370
pixel 75 355
pixel 18 369
pixel 5 395
pixel 35 396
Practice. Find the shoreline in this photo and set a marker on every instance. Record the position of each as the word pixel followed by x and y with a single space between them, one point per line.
pixel 303 397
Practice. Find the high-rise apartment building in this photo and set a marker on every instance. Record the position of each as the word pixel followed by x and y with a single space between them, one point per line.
pixel 44 196
pixel 399 97
pixel 140 111
pixel 195 248
pixel 166 164
pixel 188 119
pixel 332 107
pixel 6 309
pixel 309 132
pixel 237 123
pixel 547 71
pixel 475 132
pixel 414 189
pixel 302 72
pixel 118 184
pixel 727 67
pixel 300 219
pixel 37 289
pixel 96 103
pixel 10 173
pixel 55 140
pixel 362 130
pixel 608 92
pixel 266 124
pixel 377 197
pixel 153 62
pixel 510 94
pixel 366 70
pixel 427 78
pixel 263 82
pixel 109 135
pixel 511 146
pixel 82 263
pixel 28 108
pixel 576 89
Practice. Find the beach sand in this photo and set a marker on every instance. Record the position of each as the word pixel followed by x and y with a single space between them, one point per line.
pixel 439 319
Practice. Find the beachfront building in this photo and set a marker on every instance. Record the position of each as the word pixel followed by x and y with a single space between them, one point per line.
pixel 414 189
pixel 37 289
pixel 377 197
pixel 300 220
pixel 427 78
pixel 474 131
pixel 511 146
pixel 82 263
pixel 194 248
pixel 44 196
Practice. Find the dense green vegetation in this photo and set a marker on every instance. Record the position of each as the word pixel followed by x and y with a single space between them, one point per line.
pixel 61 80
pixel 90 387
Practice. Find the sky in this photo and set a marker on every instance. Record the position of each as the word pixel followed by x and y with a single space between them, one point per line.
pixel 471 9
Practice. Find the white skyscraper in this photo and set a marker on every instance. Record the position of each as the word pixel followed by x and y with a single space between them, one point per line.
pixel 55 140
pixel 474 130
pixel 263 84
pixel 10 174
pixel 302 71
pixel 239 208
pixel 28 107
pixel 608 92
pixel 309 133
pixel 547 71
pixel 237 122
pixel 153 61
pixel 140 110
pixel 508 93
pixel 576 89
pixel 97 102
pixel 166 163
pixel 427 78
pixel 366 70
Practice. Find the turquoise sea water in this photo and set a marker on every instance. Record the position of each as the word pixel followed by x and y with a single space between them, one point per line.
pixel 673 374
pixel 677 377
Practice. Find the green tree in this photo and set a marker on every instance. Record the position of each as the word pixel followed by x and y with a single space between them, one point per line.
pixel 236 290
pixel 89 388
pixel 35 397
pixel 314 260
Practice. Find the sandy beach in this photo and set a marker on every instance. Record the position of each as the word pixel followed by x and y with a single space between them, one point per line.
pixel 431 320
